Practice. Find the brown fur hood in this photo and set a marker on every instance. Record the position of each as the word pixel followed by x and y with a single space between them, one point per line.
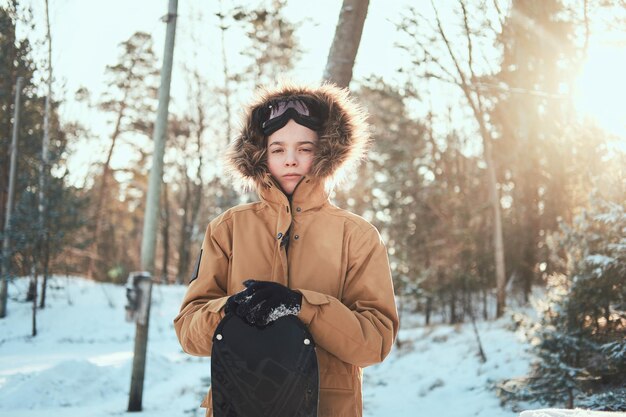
pixel 343 138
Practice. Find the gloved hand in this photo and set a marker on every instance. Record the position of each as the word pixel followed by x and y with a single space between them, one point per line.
pixel 234 301
pixel 263 302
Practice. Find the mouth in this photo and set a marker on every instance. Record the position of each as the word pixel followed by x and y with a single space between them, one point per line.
pixel 292 175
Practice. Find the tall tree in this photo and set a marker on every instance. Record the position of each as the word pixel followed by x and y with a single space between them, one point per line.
pixel 188 136
pixel 64 203
pixel 273 48
pixel 130 100
pixel 427 197
pixel 226 91
pixel 454 61
pixel 194 140
pixel 6 235
pixel 346 42
pixel 15 61
pixel 44 171
pixel 530 114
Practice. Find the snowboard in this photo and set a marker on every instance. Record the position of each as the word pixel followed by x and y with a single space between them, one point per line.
pixel 264 371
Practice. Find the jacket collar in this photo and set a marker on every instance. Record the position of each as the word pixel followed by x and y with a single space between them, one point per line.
pixel 309 194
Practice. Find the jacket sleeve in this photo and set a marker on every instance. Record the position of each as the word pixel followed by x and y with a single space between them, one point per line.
pixel 361 328
pixel 201 310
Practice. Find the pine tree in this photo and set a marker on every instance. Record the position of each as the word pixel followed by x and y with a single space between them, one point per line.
pixel 535 41
pixel 66 204
pixel 580 339
pixel 273 48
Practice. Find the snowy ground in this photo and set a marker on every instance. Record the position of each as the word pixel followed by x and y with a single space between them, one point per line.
pixel 79 363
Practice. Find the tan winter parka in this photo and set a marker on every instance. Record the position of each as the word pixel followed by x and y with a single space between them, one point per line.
pixel 335 259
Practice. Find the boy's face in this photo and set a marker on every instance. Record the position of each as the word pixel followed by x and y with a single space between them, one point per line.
pixel 290 152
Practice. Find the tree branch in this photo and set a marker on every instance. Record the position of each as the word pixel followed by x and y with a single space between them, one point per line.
pixel 469 40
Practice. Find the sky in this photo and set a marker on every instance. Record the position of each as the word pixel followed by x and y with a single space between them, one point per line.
pixel 87 35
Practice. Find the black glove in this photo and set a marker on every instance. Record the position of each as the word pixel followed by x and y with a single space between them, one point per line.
pixel 263 302
pixel 233 302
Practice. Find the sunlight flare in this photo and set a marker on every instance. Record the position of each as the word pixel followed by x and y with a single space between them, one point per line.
pixel 601 88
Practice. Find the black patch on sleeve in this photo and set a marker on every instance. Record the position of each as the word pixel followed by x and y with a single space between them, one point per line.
pixel 197 268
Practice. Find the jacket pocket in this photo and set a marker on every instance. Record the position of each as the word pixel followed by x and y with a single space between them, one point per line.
pixel 339 396
pixel 314 298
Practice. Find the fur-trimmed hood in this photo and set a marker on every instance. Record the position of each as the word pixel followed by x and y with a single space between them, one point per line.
pixel 342 143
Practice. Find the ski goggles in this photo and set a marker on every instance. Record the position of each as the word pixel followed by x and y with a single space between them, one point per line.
pixel 281 111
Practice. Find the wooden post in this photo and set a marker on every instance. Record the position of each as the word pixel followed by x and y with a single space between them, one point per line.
pixel 139 293
pixel 148 242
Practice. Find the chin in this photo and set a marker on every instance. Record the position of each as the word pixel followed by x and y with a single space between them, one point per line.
pixel 288 188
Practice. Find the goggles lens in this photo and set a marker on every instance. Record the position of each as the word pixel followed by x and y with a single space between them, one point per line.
pixel 280 112
pixel 281 107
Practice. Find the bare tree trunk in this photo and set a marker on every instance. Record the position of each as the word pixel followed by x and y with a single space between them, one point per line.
pixel 6 251
pixel 475 101
pixel 46 263
pixel 227 107
pixel 183 243
pixel 453 314
pixel 429 309
pixel 442 303
pixel 34 295
pixel 8 78
pixel 198 188
pixel 191 207
pixel 466 301
pixel 498 241
pixel 165 233
pixel 93 251
pixel 570 399
pixel 44 168
pixel 485 307
pixel 193 189
pixel 346 42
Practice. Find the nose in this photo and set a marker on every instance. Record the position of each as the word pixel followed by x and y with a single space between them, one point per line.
pixel 291 160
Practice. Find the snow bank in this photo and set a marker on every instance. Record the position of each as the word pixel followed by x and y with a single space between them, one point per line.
pixel 66 384
pixel 80 362
pixel 569 413
pixel 437 371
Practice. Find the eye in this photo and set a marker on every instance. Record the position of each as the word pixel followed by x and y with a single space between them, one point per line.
pixel 306 149
pixel 277 150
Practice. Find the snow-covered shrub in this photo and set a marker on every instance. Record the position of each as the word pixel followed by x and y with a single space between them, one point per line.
pixel 580 338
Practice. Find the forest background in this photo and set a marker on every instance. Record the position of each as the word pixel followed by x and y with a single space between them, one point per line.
pixel 497 163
